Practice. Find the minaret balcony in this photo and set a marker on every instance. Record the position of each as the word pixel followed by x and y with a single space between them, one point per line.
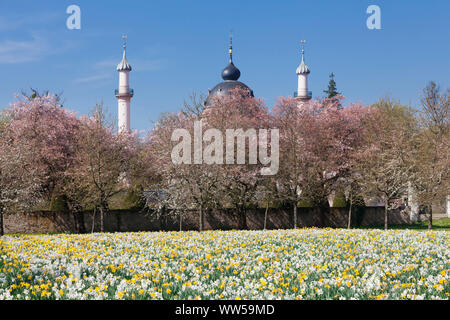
pixel 128 93
pixel 309 95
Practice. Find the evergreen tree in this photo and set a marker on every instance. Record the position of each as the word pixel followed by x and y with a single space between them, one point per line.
pixel 331 91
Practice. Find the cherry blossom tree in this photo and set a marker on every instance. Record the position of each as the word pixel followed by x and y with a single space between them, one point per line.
pixel 239 182
pixel 348 140
pixel 296 160
pixel 188 185
pixel 50 131
pixel 200 182
pixel 316 143
pixel 334 135
pixel 20 177
pixel 101 163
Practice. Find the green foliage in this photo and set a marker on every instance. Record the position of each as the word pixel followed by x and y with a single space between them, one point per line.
pixel 358 201
pixel 332 90
pixel 134 198
pixel 251 206
pixel 394 111
pixel 272 204
pixel 59 204
pixel 339 201
pixel 36 94
pixel 305 203
pixel 3 120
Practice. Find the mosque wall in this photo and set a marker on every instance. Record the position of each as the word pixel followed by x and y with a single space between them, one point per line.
pixel 224 219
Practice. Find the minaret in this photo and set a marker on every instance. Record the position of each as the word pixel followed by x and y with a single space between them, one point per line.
pixel 124 93
pixel 302 92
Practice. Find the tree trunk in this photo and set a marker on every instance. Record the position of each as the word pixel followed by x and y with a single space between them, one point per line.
pixel 2 230
pixel 78 218
pixel 243 218
pixel 385 214
pixel 265 215
pixel 93 220
pixel 160 214
pixel 430 217
pixel 76 222
pixel 295 214
pixel 101 219
pixel 181 221
pixel 200 218
pixel 349 224
pixel 81 222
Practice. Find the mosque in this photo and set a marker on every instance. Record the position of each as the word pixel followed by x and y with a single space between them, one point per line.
pixel 230 76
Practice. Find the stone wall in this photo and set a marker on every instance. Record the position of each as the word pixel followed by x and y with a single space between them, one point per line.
pixel 225 219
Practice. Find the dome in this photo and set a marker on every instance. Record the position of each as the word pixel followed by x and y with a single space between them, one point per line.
pixel 231 72
pixel 303 68
pixel 225 88
pixel 230 75
pixel 124 65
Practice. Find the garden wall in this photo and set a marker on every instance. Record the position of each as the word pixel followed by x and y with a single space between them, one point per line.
pixel 225 219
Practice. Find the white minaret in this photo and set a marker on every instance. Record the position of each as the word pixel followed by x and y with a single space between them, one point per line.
pixel 302 92
pixel 124 93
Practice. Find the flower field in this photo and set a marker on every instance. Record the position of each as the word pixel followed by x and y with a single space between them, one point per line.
pixel 280 264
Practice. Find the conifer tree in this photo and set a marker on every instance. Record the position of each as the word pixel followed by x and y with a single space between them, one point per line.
pixel 331 91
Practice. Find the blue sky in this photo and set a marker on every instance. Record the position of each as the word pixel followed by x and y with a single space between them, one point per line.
pixel 180 47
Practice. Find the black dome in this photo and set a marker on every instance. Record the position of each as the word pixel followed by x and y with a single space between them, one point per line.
pixel 231 72
pixel 224 88
pixel 230 75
